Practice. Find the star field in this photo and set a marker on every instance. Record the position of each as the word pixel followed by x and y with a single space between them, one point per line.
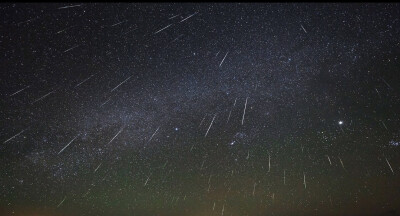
pixel 199 109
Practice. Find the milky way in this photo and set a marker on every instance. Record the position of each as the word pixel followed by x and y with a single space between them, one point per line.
pixel 199 109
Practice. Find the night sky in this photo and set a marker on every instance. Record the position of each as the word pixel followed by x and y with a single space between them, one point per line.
pixel 210 109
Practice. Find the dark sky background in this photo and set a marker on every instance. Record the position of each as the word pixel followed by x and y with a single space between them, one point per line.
pixel 199 109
